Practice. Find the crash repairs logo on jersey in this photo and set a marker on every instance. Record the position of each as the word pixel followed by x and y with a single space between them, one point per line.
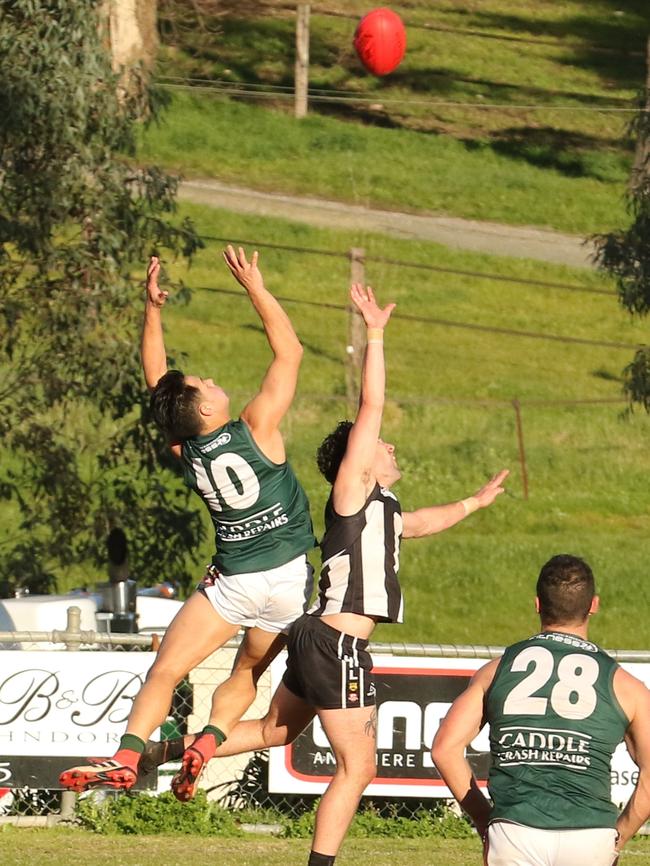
pixel 533 746
pixel 410 704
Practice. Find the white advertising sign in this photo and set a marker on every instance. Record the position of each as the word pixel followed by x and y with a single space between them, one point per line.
pixel 69 703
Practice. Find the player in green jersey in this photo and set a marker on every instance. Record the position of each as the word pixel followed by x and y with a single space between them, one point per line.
pixel 259 577
pixel 557 706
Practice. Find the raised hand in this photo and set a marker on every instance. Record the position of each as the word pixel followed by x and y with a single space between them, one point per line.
pixel 364 300
pixel 155 295
pixel 246 273
pixel 489 492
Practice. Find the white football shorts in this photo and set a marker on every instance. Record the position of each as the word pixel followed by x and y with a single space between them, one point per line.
pixel 271 600
pixel 516 845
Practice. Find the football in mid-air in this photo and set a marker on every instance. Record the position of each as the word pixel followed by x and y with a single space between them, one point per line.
pixel 380 41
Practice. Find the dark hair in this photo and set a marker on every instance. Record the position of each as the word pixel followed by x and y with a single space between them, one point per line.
pixel 174 406
pixel 565 588
pixel 332 449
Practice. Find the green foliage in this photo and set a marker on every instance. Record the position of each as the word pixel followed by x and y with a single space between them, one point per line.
pixel 74 218
pixel 637 378
pixel 143 814
pixel 373 823
pixel 625 254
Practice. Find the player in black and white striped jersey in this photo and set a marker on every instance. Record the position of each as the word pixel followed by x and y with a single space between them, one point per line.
pixel 329 669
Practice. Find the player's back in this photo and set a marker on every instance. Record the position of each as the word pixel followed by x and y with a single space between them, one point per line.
pixel 258 508
pixel 554 724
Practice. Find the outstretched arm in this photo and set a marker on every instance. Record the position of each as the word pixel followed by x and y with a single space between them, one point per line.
pixel 265 411
pixel 152 346
pixel 436 518
pixel 457 730
pixel 355 479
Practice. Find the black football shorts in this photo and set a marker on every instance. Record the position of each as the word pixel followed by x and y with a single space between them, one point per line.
pixel 327 668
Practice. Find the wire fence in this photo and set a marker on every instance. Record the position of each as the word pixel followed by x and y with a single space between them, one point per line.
pixel 251 90
pixel 240 782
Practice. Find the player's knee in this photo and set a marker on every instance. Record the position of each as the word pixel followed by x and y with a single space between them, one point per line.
pixel 359 769
pixel 165 673
pixel 250 668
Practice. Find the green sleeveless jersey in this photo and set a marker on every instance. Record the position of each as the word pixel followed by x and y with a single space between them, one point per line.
pixel 554 725
pixel 259 510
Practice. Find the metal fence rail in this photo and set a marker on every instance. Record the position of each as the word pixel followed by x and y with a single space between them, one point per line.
pixel 236 782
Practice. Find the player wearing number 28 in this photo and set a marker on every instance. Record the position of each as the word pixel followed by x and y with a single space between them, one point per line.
pixel 557 707
pixel 259 577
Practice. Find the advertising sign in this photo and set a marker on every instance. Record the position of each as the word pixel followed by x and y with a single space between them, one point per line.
pixel 58 709
pixel 413 695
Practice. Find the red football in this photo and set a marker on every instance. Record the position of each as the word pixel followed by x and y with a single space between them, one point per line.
pixel 380 41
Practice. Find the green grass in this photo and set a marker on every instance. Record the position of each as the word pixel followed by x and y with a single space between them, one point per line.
pixel 587 464
pixel 547 155
pixel 52 847
pixel 391 168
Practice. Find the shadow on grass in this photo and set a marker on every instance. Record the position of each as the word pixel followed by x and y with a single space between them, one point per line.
pixel 572 153
pixel 613 34
pixel 609 24
pixel 435 82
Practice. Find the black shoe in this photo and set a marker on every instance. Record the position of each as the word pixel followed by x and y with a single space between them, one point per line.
pixel 156 754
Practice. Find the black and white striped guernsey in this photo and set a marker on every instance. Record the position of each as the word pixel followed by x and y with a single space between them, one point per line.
pixel 360 556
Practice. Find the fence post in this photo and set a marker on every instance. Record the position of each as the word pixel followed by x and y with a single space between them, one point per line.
pixel 301 80
pixel 355 344
pixel 520 441
pixel 69 798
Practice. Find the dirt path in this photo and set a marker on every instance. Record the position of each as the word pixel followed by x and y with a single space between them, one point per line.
pixel 484 237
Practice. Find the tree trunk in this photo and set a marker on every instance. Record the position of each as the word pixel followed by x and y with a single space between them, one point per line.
pixel 132 31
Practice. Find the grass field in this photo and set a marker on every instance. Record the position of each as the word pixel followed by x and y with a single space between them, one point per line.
pixel 24 847
pixel 449 412
pixel 455 363
pixel 506 112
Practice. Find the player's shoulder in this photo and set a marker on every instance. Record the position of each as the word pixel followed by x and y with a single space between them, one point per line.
pixel 484 676
pixel 632 695
pixel 626 683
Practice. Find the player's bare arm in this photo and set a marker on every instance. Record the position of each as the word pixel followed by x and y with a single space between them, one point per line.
pixel 355 479
pixel 152 346
pixel 436 518
pixel 265 411
pixel 460 726
pixel 634 698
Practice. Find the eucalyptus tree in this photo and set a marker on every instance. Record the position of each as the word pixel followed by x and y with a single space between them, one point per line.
pixel 78 219
pixel 626 253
